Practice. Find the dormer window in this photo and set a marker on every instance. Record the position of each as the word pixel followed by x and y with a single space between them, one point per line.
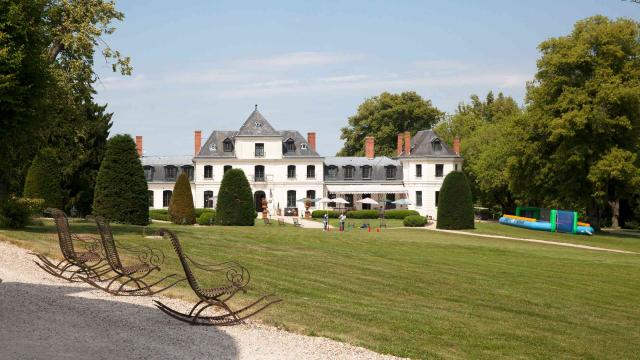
pixel 303 146
pixel 366 172
pixel 436 145
pixel 213 147
pixel 348 172
pixel 390 171
pixel 227 145
pixel 290 145
pixel 332 171
pixel 189 170
pixel 148 172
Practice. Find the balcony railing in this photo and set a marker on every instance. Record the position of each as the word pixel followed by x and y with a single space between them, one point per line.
pixel 259 154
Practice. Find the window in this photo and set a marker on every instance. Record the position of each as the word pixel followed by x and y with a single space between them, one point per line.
pixel 349 198
pixel 439 170
pixel 303 146
pixel 227 145
pixel 390 198
pixel 150 197
pixel 227 168
pixel 311 194
pixel 290 145
pixel 331 196
pixel 166 198
pixel 456 167
pixel 390 172
pixel 208 199
pixel 208 172
pixel 366 172
pixel 437 196
pixel 436 145
pixel 418 170
pixel 332 171
pixel 189 170
pixel 148 173
pixel 291 198
pixel 418 198
pixel 348 172
pixel 258 174
pixel 170 172
pixel 311 172
pixel 259 150
pixel 291 171
pixel 366 206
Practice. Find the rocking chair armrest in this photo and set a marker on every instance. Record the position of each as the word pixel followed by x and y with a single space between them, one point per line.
pixel 235 273
pixel 146 254
pixel 91 243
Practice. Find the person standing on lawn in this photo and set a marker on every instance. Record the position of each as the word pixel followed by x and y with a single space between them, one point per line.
pixel 342 218
pixel 325 222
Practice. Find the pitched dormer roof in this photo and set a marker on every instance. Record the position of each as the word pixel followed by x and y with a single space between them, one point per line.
pixel 422 145
pixel 257 125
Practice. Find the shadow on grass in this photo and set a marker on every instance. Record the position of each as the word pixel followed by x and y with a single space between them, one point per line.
pixel 46 321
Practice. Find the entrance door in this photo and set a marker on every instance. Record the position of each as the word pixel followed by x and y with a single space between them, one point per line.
pixel 257 197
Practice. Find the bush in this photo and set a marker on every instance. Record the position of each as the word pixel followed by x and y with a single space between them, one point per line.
pixel 318 214
pixel 399 214
pixel 35 206
pixel 235 201
pixel 455 208
pixel 159 214
pixel 43 179
pixel 363 214
pixel 181 209
pixel 207 217
pixel 14 214
pixel 121 188
pixel 414 221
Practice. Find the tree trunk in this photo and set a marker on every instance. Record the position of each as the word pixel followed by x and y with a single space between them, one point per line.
pixel 615 213
pixel 593 212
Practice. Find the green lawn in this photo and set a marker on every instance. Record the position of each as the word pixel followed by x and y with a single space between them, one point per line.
pixel 421 293
pixel 374 223
pixel 600 239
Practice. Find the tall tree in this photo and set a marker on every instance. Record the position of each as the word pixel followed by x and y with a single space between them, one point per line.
pixel 384 116
pixel 583 113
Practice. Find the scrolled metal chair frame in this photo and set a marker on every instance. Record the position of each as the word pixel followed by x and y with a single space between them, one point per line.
pixel 76 265
pixel 130 280
pixel 237 279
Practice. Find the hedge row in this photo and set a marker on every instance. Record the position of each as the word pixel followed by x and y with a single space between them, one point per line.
pixel 366 214
pixel 207 217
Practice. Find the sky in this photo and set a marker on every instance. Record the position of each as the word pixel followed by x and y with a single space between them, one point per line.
pixel 203 65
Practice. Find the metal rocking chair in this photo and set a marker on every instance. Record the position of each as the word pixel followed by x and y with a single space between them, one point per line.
pixel 129 280
pixel 77 265
pixel 237 279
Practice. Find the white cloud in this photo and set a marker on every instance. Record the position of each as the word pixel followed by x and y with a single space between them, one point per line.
pixel 300 59
pixel 344 78
pixel 136 82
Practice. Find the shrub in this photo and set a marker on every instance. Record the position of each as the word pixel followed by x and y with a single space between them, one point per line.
pixel 43 179
pixel 399 214
pixel 318 214
pixel 455 208
pixel 159 214
pixel 414 221
pixel 235 201
pixel 35 206
pixel 363 214
pixel 121 188
pixel 14 213
pixel 207 217
pixel 181 210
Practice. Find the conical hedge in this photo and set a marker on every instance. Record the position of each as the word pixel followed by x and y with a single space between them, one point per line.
pixel 43 179
pixel 181 210
pixel 235 201
pixel 121 188
pixel 455 204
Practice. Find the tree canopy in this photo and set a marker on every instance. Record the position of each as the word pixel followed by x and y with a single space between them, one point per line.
pixel 384 117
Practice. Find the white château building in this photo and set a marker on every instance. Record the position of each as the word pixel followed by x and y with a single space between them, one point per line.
pixel 283 167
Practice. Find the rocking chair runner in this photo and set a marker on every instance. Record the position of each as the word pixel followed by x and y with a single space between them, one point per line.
pixel 76 265
pixel 237 279
pixel 129 279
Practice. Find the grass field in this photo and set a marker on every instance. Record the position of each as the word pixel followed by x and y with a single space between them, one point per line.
pixel 421 293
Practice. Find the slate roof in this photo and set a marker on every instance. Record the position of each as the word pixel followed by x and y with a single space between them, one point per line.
pixel 299 141
pixel 422 146
pixel 378 167
pixel 158 163
pixel 257 125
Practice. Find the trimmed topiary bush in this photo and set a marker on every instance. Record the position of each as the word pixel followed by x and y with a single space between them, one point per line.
pixel 235 201
pixel 181 210
pixel 455 207
pixel 414 221
pixel 318 214
pixel 207 217
pixel 399 214
pixel 121 188
pixel 43 179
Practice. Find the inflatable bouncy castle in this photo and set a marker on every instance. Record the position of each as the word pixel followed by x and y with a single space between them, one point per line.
pixel 564 221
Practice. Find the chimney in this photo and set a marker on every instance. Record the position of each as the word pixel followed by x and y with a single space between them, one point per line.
pixel 456 145
pixel 197 142
pixel 311 139
pixel 407 143
pixel 369 147
pixel 139 145
pixel 399 148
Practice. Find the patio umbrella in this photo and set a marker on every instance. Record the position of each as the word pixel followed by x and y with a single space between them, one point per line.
pixel 369 201
pixel 402 202
pixel 325 200
pixel 340 200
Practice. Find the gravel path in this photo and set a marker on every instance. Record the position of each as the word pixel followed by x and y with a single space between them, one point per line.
pixel 42 317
